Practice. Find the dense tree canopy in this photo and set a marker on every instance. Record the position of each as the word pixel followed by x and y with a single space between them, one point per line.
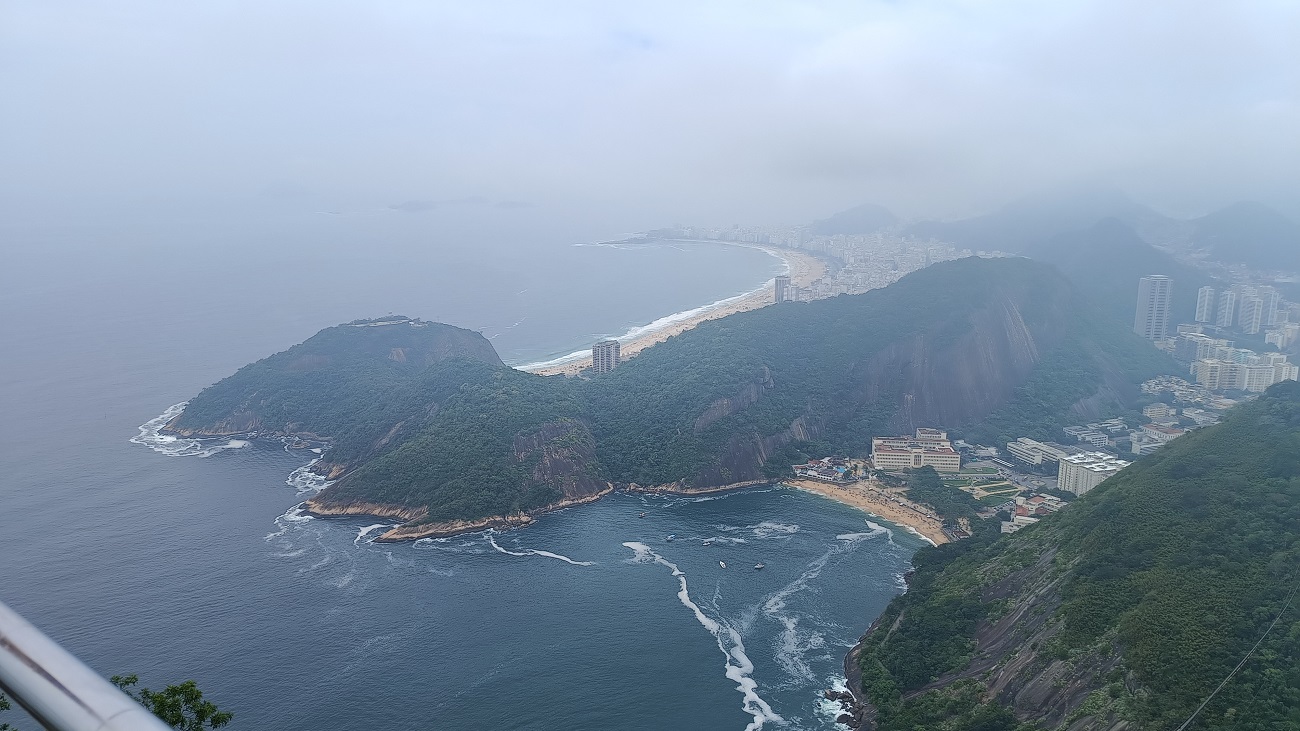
pixel 1173 569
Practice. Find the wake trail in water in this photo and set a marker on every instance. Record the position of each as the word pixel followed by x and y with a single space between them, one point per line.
pixel 739 667
pixel 536 552
pixel 793 644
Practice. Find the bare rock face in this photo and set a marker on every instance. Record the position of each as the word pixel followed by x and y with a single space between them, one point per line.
pixel 948 379
pixel 563 455
pixel 748 396
pixel 956 383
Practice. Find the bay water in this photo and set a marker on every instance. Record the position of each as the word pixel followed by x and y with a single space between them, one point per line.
pixel 177 561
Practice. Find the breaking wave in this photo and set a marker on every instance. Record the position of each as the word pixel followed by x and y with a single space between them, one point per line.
pixel 739 667
pixel 152 437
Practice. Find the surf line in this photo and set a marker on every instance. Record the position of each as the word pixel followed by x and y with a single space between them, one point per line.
pixel 738 663
pixel 535 552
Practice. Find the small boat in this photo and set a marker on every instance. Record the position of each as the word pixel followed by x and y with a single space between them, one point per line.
pixel 723 564
pixel 707 543
pixel 641 515
pixel 758 566
pixel 671 536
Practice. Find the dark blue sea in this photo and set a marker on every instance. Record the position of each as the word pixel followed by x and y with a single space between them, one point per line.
pixel 178 561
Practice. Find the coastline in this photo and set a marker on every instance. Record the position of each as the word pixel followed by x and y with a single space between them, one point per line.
pixel 802 268
pixel 879 503
pixel 408 532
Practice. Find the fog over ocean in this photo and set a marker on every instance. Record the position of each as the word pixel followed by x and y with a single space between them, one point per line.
pixel 178 567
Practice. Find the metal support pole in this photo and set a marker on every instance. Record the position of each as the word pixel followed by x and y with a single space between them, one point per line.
pixel 58 689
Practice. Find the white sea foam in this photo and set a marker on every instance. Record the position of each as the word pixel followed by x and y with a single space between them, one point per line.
pixel 918 534
pixel 794 644
pixel 738 665
pixel 304 480
pixel 295 515
pixel 363 532
pixel 829 709
pixel 768 529
pixel 172 446
pixel 534 552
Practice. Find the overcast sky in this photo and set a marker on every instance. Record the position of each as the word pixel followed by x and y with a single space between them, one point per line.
pixel 646 113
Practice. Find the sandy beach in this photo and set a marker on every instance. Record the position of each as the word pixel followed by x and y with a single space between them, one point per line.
pixel 803 269
pixel 876 500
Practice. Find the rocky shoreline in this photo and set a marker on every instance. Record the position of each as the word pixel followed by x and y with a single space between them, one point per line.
pixel 443 529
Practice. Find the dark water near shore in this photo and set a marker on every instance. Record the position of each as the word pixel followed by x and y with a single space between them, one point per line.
pixel 200 567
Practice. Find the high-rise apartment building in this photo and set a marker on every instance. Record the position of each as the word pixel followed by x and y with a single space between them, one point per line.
pixel 1252 315
pixel 605 356
pixel 1272 300
pixel 1152 318
pixel 1204 304
pixel 782 284
pixel 1227 308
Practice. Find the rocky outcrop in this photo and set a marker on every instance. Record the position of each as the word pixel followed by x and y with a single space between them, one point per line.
pixel 1013 661
pixel 238 423
pixel 325 508
pixel 747 397
pixel 939 380
pixel 563 455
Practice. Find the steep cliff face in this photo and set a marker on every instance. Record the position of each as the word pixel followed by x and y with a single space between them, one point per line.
pixel 951 385
pixel 562 455
pixel 950 374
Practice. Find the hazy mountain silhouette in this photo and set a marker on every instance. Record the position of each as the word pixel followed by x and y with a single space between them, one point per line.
pixel 1106 260
pixel 1025 224
pixel 864 219
pixel 1249 233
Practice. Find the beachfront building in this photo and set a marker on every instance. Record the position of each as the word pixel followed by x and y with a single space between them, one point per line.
pixel 605 356
pixel 928 448
pixel 1079 473
pixel 782 286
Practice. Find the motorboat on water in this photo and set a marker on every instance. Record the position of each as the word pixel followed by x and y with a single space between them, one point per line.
pixel 671 536
pixel 723 564
pixel 758 566
pixel 707 543
pixel 641 515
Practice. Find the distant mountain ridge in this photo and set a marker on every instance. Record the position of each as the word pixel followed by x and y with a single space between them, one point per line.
pixel 1249 233
pixel 461 441
pixel 864 219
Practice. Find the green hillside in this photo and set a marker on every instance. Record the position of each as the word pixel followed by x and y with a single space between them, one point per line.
pixel 735 399
pixel 1129 607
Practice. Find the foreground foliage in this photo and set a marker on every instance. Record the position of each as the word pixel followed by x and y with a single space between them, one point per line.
pixel 180 706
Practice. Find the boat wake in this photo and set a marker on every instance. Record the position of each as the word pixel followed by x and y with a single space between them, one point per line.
pixel 738 665
pixel 793 643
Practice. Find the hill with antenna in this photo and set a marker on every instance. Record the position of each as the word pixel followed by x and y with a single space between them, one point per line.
pixel 1125 611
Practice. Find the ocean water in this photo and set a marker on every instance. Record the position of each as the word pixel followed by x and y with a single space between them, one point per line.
pixel 180 560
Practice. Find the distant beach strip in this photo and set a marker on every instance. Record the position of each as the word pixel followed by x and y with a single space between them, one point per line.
pixel 802 268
